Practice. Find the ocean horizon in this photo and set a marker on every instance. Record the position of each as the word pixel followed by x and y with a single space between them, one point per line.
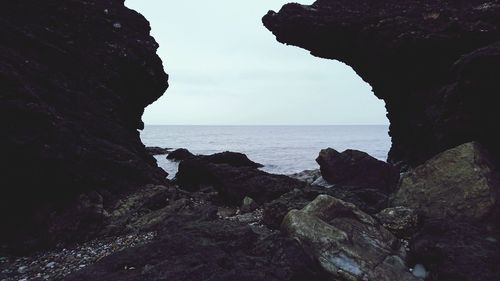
pixel 282 149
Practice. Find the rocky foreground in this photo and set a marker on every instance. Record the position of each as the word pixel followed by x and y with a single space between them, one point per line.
pixel 223 219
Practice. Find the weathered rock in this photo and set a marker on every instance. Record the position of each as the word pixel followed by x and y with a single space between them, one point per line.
pixel 193 246
pixel 73 88
pixel 307 176
pixel 453 251
pixel 180 154
pixel 368 200
pixel 357 168
pixel 434 63
pixel 155 150
pixel 248 205
pixel 234 183
pixel 401 221
pixel 348 243
pixel 458 184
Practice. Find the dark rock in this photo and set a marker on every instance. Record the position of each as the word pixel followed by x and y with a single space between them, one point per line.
pixel 357 168
pixel 234 159
pixel 456 251
pixel 73 88
pixel 155 150
pixel 234 183
pixel 248 205
pixel 180 154
pixel 195 247
pixel 347 243
pixel 434 63
pixel 401 221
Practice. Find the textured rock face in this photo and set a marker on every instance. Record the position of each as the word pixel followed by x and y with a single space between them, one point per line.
pixel 348 243
pixel 458 184
pixel 434 63
pixel 357 168
pixel 75 77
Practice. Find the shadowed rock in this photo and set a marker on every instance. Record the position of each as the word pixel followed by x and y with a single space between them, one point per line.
pixel 434 63
pixel 75 77
pixel 180 154
pixel 357 168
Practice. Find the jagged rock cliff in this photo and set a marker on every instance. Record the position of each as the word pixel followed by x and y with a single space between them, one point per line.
pixel 434 63
pixel 75 77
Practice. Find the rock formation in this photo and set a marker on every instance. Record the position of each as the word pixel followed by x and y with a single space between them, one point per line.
pixel 357 168
pixel 348 244
pixel 434 63
pixel 75 77
pixel 458 184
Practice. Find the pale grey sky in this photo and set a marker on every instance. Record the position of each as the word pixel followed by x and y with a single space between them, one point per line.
pixel 226 68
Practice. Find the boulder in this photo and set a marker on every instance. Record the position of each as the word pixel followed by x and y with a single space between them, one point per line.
pixel 180 154
pixel 234 159
pixel 232 183
pixel 347 243
pixel 458 184
pixel 307 176
pixel 357 168
pixel 368 200
pixel 401 221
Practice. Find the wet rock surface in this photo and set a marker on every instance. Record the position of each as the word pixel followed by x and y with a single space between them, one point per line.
pixel 349 244
pixel 75 77
pixel 458 184
pixel 357 168
pixel 434 64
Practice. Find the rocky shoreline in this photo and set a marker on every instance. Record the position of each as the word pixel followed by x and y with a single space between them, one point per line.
pixel 83 199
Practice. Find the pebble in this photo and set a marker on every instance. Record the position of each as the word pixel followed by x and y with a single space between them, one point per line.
pixel 56 264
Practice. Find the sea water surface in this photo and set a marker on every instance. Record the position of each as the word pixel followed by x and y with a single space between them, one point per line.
pixel 281 149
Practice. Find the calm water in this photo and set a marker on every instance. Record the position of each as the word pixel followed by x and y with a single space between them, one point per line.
pixel 282 149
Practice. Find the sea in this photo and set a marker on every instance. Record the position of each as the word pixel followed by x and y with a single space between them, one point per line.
pixel 281 149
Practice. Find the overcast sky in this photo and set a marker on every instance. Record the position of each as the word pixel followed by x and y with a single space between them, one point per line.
pixel 226 68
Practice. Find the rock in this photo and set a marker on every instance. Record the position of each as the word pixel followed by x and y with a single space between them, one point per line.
pixel 248 205
pixel 451 251
pixel 180 154
pixel 401 221
pixel 72 93
pixel 207 249
pixel 155 150
pixel 368 200
pixel 347 243
pixel 458 184
pixel 307 176
pixel 233 184
pixel 419 271
pixel 22 269
pixel 234 159
pixel 435 64
pixel 357 168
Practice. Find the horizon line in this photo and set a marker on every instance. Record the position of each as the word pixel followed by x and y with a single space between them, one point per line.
pixel 262 125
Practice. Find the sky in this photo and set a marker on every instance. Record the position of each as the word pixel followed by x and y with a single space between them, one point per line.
pixel 226 68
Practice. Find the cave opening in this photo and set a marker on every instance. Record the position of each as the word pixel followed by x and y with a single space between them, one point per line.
pixel 233 87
